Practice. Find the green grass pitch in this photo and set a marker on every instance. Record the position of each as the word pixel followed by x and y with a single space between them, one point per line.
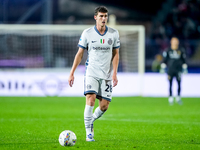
pixel 130 123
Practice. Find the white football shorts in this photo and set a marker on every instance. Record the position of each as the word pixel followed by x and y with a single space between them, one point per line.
pixel 102 88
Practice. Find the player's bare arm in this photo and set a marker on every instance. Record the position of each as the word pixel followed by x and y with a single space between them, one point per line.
pixel 115 62
pixel 77 60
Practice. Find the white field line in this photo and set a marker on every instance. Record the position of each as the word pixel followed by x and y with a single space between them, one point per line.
pixel 104 118
pixel 38 119
pixel 151 121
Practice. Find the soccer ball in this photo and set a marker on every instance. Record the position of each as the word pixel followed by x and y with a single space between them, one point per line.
pixel 67 138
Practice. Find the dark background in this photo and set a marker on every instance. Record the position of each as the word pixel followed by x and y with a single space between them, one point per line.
pixel 162 20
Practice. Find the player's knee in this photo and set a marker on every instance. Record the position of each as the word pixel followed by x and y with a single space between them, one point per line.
pixel 90 99
pixel 90 102
pixel 104 106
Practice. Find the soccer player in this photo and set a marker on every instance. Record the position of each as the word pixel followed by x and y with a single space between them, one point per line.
pixel 102 44
pixel 175 61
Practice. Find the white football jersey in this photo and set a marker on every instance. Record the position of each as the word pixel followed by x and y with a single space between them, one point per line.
pixel 100 47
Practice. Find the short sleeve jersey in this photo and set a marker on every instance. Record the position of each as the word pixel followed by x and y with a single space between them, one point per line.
pixel 100 47
pixel 174 59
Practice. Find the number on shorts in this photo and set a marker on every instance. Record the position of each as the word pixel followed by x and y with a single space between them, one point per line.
pixel 109 88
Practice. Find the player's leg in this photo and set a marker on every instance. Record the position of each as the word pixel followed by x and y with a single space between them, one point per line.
pixel 178 79
pixel 90 101
pixel 170 78
pixel 104 95
pixel 100 110
pixel 91 88
pixel 170 99
pixel 103 104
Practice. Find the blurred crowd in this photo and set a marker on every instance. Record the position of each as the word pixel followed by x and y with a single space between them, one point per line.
pixel 182 21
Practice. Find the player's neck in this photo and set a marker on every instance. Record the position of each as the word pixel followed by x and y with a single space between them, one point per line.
pixel 174 47
pixel 101 29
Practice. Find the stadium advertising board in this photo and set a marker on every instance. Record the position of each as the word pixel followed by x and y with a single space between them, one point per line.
pixel 56 84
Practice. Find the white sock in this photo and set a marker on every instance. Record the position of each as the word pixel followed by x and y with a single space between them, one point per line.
pixel 97 114
pixel 178 98
pixel 87 118
pixel 171 99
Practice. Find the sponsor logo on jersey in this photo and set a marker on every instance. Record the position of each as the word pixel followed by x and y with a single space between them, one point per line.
pixel 175 54
pixel 101 48
pixel 93 41
pixel 102 41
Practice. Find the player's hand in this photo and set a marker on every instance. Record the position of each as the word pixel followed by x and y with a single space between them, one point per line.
pixel 162 68
pixel 71 80
pixel 115 80
pixel 184 69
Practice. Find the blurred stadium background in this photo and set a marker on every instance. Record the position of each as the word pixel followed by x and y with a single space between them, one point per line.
pixel 29 61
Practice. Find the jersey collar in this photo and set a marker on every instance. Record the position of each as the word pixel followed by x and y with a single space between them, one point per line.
pixel 98 31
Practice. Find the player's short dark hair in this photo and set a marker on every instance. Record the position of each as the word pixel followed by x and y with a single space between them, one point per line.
pixel 174 36
pixel 101 9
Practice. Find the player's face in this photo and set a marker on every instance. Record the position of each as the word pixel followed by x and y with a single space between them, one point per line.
pixel 174 42
pixel 101 19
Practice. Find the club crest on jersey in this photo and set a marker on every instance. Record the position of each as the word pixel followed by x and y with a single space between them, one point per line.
pixel 89 86
pixel 102 41
pixel 110 41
